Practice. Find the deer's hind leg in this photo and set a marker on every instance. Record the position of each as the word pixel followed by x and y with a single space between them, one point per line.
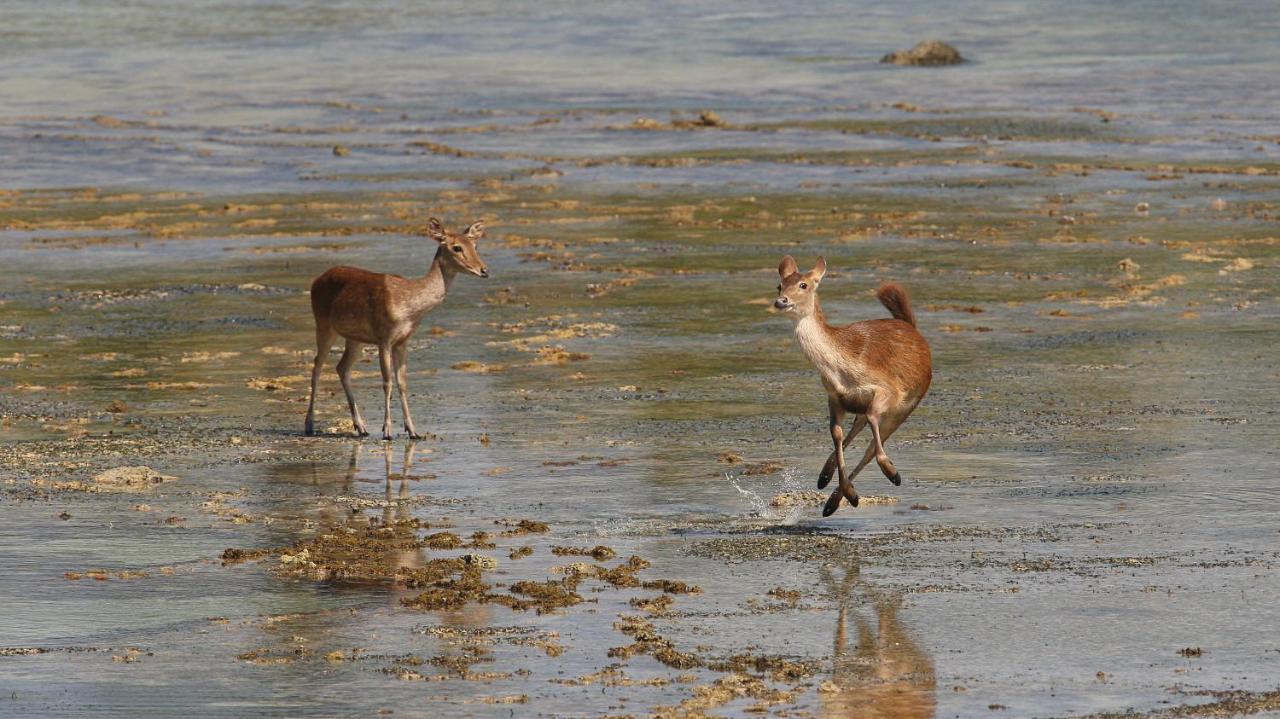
pixel 325 337
pixel 349 357
pixel 828 469
pixel 883 425
pixel 887 426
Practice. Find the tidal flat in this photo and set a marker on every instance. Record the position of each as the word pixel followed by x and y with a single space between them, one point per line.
pixel 614 511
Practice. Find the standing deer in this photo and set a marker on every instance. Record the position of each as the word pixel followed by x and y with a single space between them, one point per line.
pixel 877 369
pixel 371 308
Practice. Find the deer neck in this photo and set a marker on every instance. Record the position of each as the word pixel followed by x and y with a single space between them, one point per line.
pixel 430 290
pixel 819 344
pixel 814 335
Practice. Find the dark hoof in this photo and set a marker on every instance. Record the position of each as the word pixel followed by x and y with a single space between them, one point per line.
pixel 362 433
pixel 854 501
pixel 833 503
pixel 309 432
pixel 823 480
pixel 416 437
pixel 386 437
pixel 896 479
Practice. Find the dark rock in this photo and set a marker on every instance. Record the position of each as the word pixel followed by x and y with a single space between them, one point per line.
pixel 926 54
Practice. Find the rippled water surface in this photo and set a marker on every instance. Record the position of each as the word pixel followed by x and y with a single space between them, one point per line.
pixel 1085 215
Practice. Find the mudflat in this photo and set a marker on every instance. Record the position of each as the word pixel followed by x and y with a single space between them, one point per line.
pixel 614 510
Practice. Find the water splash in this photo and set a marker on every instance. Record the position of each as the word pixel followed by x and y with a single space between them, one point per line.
pixel 763 508
pixel 759 504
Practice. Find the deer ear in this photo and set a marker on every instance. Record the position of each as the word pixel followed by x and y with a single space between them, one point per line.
pixel 435 230
pixel 787 267
pixel 819 269
pixel 475 231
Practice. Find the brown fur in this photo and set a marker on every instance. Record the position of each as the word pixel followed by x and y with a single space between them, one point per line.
pixel 879 370
pixel 894 299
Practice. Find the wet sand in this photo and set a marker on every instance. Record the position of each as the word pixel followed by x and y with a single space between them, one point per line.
pixel 614 512
pixel 1086 523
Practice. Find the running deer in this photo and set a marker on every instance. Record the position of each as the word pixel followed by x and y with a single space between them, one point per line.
pixel 877 369
pixel 371 308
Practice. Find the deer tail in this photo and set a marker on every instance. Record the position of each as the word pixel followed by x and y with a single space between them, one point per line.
pixel 894 299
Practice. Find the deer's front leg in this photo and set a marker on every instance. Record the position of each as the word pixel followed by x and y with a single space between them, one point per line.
pixel 344 375
pixel 845 488
pixel 829 469
pixel 400 354
pixel 384 361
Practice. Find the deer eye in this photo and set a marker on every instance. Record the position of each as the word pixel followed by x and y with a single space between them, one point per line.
pixel 457 248
pixel 804 286
pixel 779 288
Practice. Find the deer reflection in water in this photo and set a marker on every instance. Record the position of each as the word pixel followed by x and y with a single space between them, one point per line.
pixel 398 519
pixel 338 500
pixel 885 674
pixel 396 516
pixel 386 538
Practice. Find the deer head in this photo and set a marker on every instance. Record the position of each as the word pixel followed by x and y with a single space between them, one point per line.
pixel 797 291
pixel 459 250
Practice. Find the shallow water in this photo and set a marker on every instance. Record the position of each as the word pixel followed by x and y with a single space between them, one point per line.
pixel 1090 484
